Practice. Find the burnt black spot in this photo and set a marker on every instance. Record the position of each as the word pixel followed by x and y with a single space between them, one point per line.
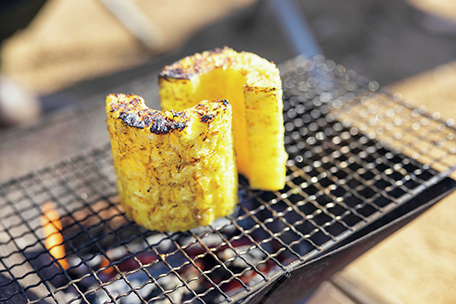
pixel 135 101
pixel 207 117
pixel 179 71
pixel 161 125
pixel 179 114
pixel 225 102
pixel 155 121
pixel 127 117
pixel 114 108
pixel 180 125
pixel 132 120
pixel 202 107
pixel 147 121
pixel 139 124
pixel 176 73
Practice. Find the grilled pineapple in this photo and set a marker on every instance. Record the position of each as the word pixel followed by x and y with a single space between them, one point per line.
pixel 253 87
pixel 175 170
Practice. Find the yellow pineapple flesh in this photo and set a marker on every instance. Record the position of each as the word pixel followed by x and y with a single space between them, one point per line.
pixel 175 170
pixel 253 87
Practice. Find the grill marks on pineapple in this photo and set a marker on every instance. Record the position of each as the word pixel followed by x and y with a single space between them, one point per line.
pixel 164 125
pixel 207 113
pixel 207 117
pixel 134 113
pixel 198 64
pixel 132 120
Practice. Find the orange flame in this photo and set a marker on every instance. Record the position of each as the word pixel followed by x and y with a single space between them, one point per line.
pixel 53 239
pixel 105 263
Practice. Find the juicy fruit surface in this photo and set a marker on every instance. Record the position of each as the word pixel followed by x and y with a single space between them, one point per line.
pixel 253 87
pixel 175 170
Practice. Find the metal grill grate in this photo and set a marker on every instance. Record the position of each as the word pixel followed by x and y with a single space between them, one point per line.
pixel 356 154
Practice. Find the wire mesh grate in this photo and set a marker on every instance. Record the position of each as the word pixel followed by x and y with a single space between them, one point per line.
pixel 355 154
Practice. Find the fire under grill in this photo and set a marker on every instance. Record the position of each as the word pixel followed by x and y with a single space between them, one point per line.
pixel 356 154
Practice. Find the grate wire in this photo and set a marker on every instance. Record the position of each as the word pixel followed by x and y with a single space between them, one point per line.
pixel 356 153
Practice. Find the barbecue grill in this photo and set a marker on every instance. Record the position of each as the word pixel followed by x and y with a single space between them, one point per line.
pixel 362 163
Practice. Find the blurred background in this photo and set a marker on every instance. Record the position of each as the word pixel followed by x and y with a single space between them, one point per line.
pixel 60 55
pixel 76 49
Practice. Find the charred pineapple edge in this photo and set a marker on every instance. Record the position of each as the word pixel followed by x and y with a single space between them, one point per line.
pixel 201 64
pixel 132 110
pixel 209 60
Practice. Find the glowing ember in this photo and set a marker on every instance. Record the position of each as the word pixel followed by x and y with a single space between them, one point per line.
pixel 106 264
pixel 53 239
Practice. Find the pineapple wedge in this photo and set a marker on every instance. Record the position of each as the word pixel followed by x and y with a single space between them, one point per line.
pixel 175 170
pixel 253 87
